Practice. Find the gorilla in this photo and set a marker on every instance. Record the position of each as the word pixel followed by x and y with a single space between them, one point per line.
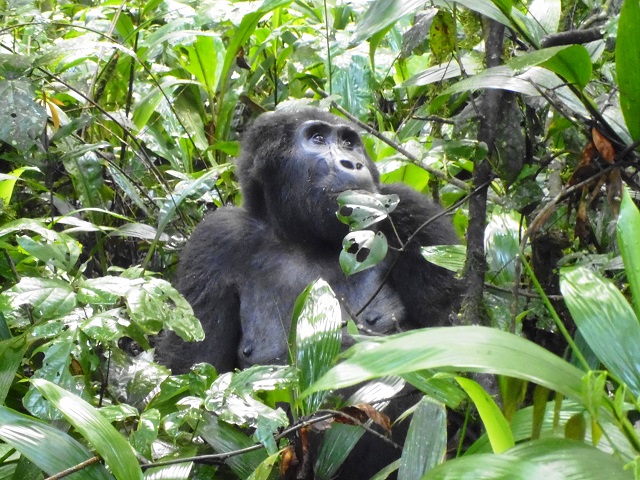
pixel 243 267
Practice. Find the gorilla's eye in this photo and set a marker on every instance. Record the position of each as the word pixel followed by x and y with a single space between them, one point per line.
pixel 318 139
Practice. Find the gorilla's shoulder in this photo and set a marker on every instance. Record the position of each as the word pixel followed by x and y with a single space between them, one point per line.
pixel 228 223
pixel 213 245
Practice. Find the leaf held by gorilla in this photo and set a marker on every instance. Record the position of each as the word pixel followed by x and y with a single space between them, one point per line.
pixel 360 209
pixel 361 250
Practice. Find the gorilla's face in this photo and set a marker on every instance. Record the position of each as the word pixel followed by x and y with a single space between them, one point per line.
pixel 327 159
pixel 293 167
pixel 334 156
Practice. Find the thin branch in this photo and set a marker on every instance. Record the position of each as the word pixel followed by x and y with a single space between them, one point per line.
pixel 74 469
pixel 436 173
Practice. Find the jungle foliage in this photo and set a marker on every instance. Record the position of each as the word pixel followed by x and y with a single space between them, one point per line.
pixel 118 129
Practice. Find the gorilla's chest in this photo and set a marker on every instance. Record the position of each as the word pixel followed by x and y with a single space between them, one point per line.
pixel 269 293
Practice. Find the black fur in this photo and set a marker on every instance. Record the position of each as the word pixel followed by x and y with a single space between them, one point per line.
pixel 243 268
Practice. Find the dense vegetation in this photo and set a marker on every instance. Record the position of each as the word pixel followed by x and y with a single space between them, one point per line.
pixel 118 129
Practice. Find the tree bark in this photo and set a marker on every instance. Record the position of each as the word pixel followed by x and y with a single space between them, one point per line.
pixel 476 266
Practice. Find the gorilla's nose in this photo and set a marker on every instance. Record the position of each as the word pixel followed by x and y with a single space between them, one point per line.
pixel 372 319
pixel 349 165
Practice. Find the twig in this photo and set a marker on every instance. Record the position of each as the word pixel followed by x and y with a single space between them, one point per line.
pixel 436 173
pixel 74 469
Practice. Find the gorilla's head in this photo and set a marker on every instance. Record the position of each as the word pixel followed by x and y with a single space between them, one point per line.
pixel 295 164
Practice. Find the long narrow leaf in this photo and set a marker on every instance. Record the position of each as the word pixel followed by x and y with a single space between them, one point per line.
pixel 548 459
pixel 607 322
pixel 494 422
pixel 628 229
pixel 50 449
pixel 426 442
pixel 108 442
pixel 474 349
pixel 628 64
pixel 11 352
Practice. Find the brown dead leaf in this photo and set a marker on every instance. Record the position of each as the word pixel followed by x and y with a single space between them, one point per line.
pixel 364 412
pixel 288 461
pixel 614 190
pixel 604 146
pixel 583 229
pixel 586 167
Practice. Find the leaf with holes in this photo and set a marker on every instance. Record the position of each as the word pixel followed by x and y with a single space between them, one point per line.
pixel 362 250
pixel 23 119
pixel 362 209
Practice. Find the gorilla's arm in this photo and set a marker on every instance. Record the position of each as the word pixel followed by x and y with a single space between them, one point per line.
pixel 211 265
pixel 429 293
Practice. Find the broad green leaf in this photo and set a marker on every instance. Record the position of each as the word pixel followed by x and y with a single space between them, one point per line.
pixel 494 422
pixel 442 36
pixel 206 57
pixel 573 63
pixel 361 250
pixel 11 352
pixel 536 57
pixel 473 349
pixel 23 119
pixel 628 229
pixel 105 290
pixel 50 449
pixel 89 422
pixel 49 297
pixel 156 304
pixel 316 338
pixel 63 252
pixel 361 209
pixel 235 402
pixel 549 459
pixel 14 66
pixel 451 257
pixel 628 65
pixel 606 321
pixel 55 368
pixel 426 442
